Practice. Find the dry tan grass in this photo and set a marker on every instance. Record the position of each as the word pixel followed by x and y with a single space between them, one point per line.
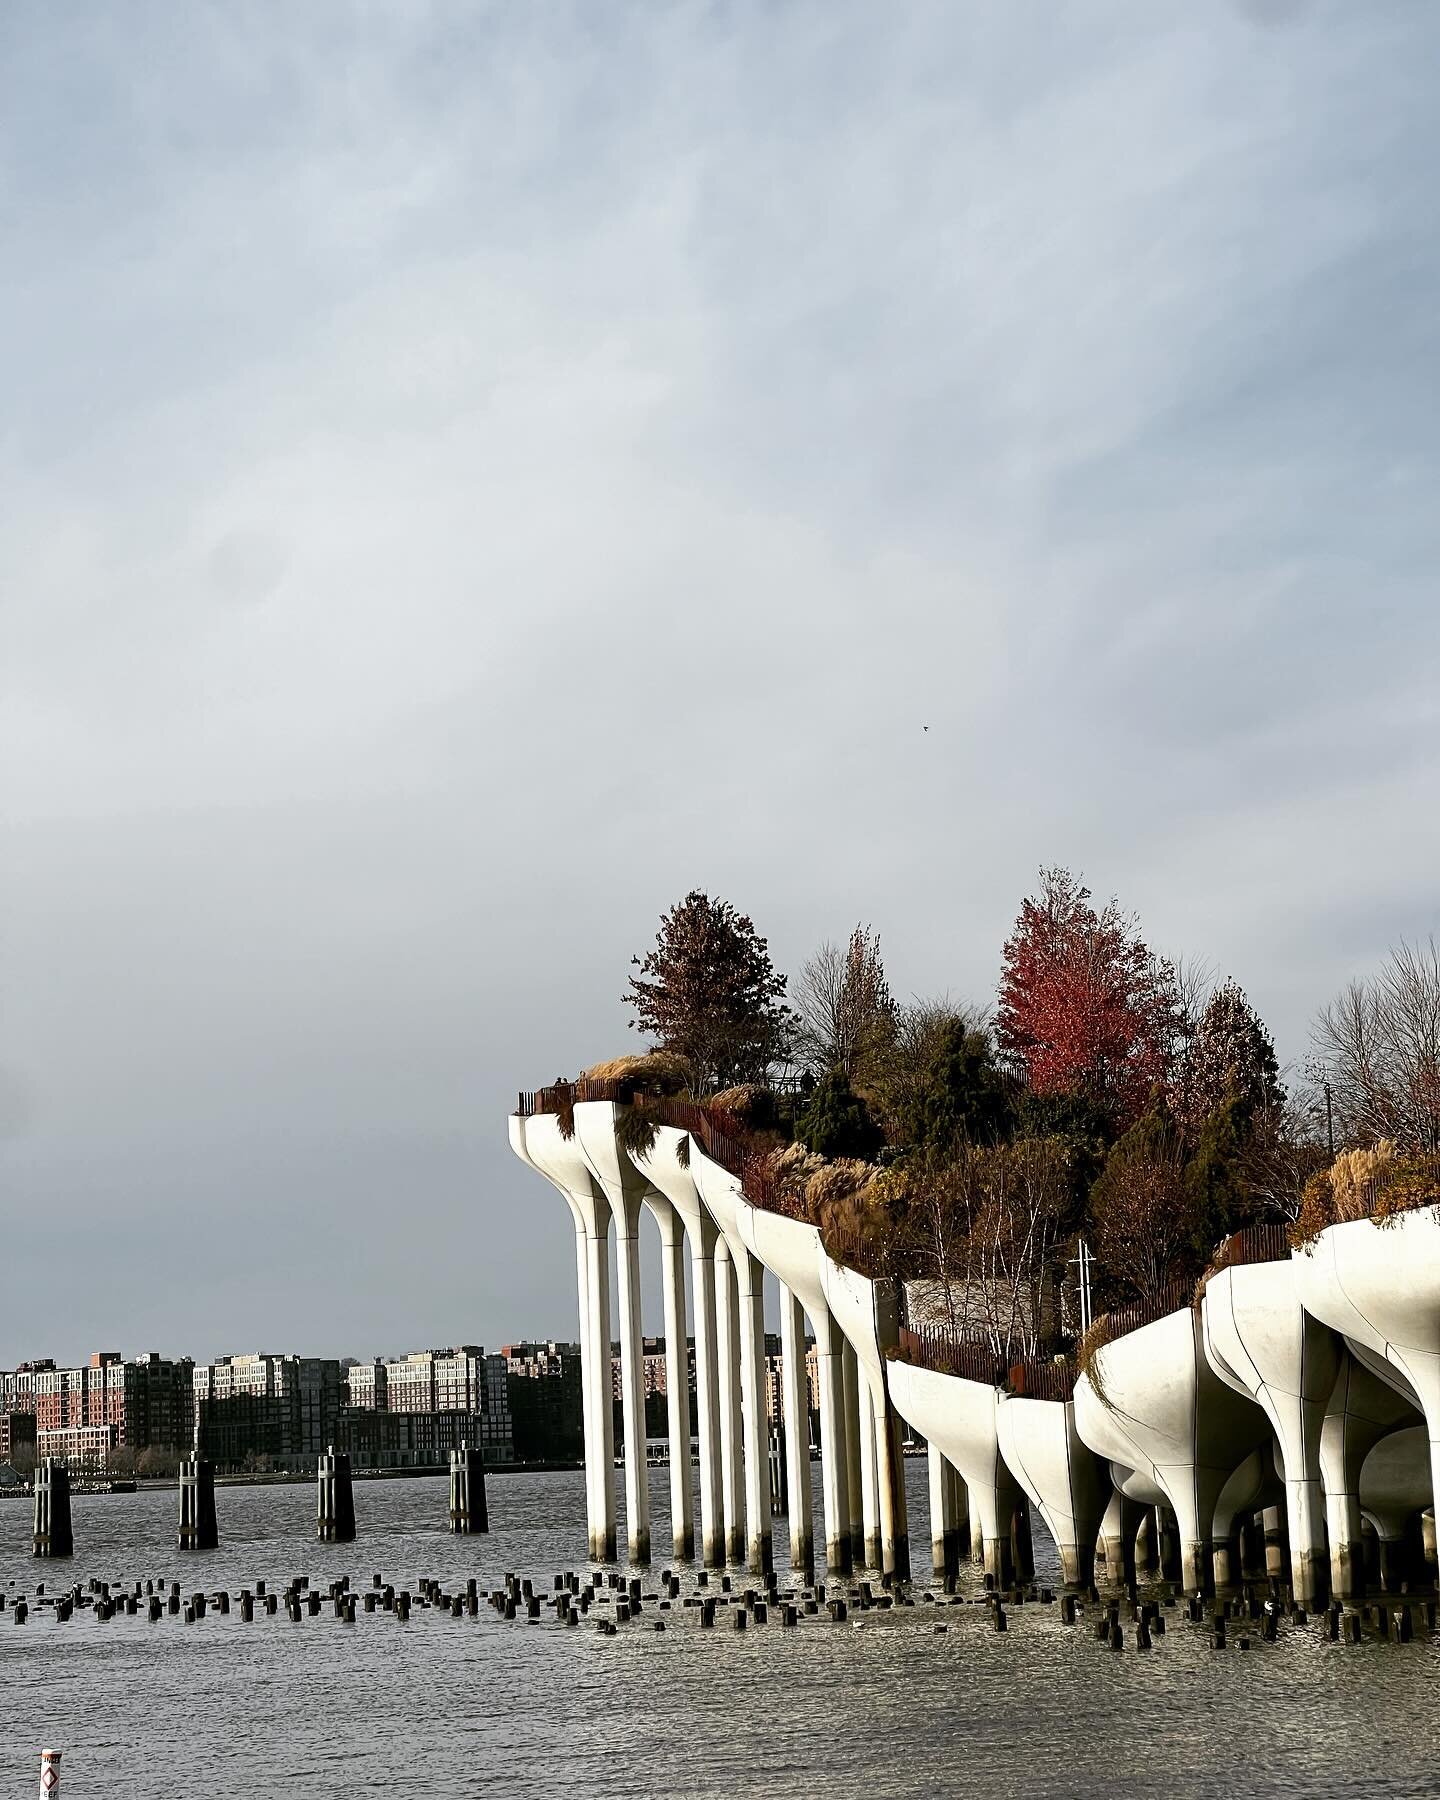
pixel 656 1072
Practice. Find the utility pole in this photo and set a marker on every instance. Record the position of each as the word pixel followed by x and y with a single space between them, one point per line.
pixel 1082 1259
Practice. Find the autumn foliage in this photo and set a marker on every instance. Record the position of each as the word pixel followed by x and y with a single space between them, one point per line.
pixel 1086 1008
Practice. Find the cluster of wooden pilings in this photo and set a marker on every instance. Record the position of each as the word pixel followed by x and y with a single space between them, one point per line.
pixel 54 1535
pixel 1138 1619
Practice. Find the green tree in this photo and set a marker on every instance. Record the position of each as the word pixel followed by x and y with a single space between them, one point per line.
pixel 709 992
pixel 1230 1057
pixel 837 1122
pixel 1217 1195
pixel 1142 1209
pixel 965 1098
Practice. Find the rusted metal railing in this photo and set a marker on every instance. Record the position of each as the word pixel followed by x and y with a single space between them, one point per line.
pixel 935 1347
pixel 1255 1244
pixel 1037 1378
pixel 1175 1296
pixel 976 1359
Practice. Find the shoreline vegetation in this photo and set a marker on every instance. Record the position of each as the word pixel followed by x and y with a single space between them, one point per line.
pixel 1112 1110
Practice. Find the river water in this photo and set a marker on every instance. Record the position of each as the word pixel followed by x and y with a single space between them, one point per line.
pixel 470 1706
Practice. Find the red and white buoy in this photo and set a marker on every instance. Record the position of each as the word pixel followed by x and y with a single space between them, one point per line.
pixel 49 1774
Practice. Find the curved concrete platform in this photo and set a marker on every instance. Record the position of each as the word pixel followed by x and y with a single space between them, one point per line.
pixel 961 1417
pixel 1379 1285
pixel 1064 1478
pixel 1262 1343
pixel 1166 1414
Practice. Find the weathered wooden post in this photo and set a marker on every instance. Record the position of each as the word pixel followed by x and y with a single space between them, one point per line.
pixel 468 1510
pixel 198 1530
pixel 49 1774
pixel 335 1498
pixel 53 1536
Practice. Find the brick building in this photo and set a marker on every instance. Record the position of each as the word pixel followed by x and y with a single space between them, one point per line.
pixel 144 1401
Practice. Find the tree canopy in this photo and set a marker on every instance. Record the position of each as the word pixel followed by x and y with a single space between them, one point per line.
pixel 836 1122
pixel 1229 1058
pixel 1086 1008
pixel 709 992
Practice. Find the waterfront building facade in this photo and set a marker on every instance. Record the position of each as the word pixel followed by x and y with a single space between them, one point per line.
pixel 17 1437
pixel 143 1401
pixel 543 1388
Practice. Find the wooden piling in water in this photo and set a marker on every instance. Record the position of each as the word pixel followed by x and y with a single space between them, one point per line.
pixel 53 1535
pixel 468 1510
pixel 198 1529
pixel 335 1497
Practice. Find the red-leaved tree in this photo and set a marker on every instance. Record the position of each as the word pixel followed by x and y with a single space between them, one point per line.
pixel 1086 1008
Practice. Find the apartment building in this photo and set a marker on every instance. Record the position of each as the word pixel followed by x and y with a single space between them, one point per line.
pixel 260 1405
pixel 86 1447
pixel 546 1401
pixel 145 1400
pixel 17 1436
pixel 366 1386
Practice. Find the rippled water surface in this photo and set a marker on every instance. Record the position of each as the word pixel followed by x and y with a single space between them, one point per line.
pixel 471 1706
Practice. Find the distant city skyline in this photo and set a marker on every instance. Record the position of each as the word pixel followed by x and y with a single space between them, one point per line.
pixel 472 476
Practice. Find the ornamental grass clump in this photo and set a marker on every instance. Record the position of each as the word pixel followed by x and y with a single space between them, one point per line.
pixel 748 1108
pixel 1375 1184
pixel 659 1072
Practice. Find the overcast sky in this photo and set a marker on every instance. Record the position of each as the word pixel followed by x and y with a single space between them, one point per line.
pixel 471 474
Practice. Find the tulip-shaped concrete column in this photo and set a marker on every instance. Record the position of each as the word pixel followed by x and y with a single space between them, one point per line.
pixel 1067 1483
pixel 853 1440
pixel 665 1164
pixel 949 1516
pixel 727 1335
pixel 624 1188
pixel 868 1312
pixel 1362 1409
pixel 720 1191
pixel 874 1555
pixel 960 1418
pixel 1380 1286
pixel 1261 1342
pixel 1394 1486
pixel 1152 1403
pixel 677 1377
pixel 540 1142
pixel 790 1249
pixel 796 1395
pixel 1119 1529
pixel 582 1289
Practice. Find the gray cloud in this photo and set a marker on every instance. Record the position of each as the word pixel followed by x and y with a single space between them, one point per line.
pixel 469 478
